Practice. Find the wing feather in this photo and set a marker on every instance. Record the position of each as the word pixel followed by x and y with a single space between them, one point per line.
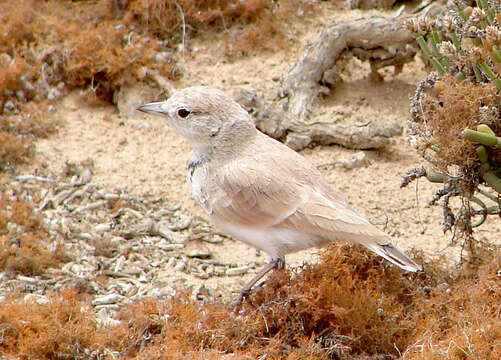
pixel 244 197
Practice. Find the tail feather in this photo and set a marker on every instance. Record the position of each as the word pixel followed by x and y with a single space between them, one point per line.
pixel 395 256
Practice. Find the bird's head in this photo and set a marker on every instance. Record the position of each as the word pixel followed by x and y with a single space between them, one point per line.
pixel 205 116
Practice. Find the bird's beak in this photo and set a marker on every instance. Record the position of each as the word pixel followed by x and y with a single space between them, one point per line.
pixel 155 108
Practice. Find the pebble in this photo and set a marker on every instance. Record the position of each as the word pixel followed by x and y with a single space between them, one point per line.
pixel 84 236
pixel 27 279
pixel 110 307
pixel 200 254
pixel 180 266
pixel 213 239
pixel 202 275
pixel 163 292
pixel 171 262
pixel 39 299
pixel 169 247
pixel 101 228
pixel 354 161
pixel 111 196
pixel 104 318
pixel 181 226
pixel 237 271
pixel 108 299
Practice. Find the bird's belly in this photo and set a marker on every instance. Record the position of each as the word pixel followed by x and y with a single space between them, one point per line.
pixel 277 242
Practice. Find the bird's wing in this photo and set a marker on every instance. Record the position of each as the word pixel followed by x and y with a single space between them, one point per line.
pixel 284 195
pixel 331 219
pixel 246 195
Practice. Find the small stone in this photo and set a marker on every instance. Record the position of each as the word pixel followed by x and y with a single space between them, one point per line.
pixel 27 279
pixel 5 60
pixel 111 196
pixel 181 226
pixel 169 247
pixel 237 271
pixel 354 161
pixel 163 57
pixel 133 270
pixel 180 266
pixel 39 299
pixel 84 236
pixel 111 307
pixel 108 299
pixel 21 95
pixel 164 292
pixel 213 240
pixel 105 319
pixel 200 254
pixel 101 228
pixel 125 287
pixel 8 106
pixel 162 229
pixel 202 275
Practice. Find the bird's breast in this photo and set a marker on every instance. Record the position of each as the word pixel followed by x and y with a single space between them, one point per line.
pixel 198 180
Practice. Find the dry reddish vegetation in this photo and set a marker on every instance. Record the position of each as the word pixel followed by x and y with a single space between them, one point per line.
pixel 103 44
pixel 49 47
pixel 18 131
pixel 25 245
pixel 350 305
pixel 450 107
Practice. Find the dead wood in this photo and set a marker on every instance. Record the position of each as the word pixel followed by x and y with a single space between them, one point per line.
pixel 381 41
pixel 297 134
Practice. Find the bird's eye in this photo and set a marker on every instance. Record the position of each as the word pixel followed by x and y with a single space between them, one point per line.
pixel 183 112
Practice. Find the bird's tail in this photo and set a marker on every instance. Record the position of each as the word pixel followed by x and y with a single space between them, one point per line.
pixel 394 255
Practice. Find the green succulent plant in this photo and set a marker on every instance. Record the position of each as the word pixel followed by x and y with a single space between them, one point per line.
pixel 455 112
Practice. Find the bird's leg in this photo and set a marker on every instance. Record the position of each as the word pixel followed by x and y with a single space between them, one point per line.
pixel 277 263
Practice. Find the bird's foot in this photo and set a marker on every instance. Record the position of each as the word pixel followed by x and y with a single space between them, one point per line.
pixel 237 304
pixel 277 263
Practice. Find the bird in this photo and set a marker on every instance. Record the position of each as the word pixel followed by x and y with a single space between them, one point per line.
pixel 260 191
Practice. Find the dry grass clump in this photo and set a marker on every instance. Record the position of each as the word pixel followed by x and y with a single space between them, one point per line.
pixel 254 24
pixel 17 133
pixel 61 327
pixel 50 47
pixel 63 44
pixel 352 305
pixel 12 150
pixel 450 107
pixel 25 245
pixel 164 18
pixel 462 319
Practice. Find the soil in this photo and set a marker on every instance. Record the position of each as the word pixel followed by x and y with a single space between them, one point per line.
pixel 142 155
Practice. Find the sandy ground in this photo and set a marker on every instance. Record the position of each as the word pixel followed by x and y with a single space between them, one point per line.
pixel 142 155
